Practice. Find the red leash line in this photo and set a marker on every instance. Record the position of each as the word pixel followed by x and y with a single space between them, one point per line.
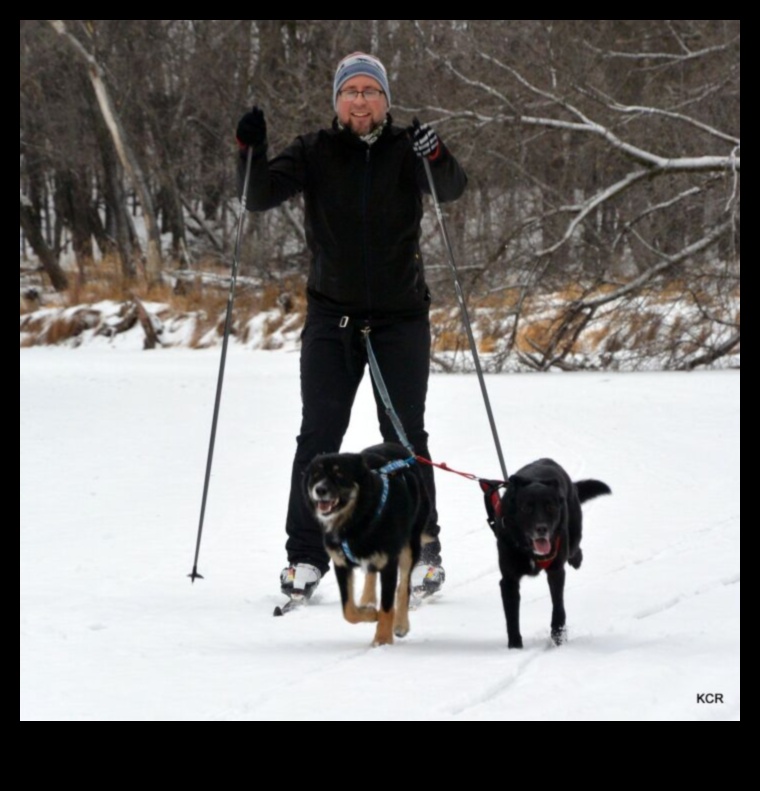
pixel 442 465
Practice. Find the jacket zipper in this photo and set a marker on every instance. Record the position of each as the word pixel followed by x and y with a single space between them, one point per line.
pixel 365 230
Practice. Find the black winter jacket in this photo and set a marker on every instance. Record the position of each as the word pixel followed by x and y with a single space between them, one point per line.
pixel 363 208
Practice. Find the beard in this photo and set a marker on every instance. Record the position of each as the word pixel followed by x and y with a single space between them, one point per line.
pixel 372 132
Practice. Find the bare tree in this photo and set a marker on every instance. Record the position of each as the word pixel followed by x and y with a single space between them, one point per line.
pixel 30 224
pixel 620 192
pixel 603 158
pixel 123 147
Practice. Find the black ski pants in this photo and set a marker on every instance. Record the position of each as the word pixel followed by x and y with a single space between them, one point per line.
pixel 333 361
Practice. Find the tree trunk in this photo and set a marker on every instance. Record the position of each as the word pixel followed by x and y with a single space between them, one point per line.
pixel 30 224
pixel 73 203
pixel 153 262
pixel 117 218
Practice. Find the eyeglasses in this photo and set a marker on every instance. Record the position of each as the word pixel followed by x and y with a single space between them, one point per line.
pixel 370 94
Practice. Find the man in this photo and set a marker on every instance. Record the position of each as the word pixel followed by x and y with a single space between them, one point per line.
pixel 363 180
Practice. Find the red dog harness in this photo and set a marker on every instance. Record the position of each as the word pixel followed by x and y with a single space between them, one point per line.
pixel 492 496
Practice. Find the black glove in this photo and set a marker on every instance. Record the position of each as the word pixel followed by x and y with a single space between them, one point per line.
pixel 252 129
pixel 425 141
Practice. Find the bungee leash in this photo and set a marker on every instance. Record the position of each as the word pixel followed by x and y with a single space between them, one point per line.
pixel 397 425
pixel 383 390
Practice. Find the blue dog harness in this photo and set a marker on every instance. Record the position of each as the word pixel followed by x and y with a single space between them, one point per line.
pixel 384 471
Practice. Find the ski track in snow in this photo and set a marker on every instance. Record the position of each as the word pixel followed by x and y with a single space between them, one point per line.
pixel 111 483
pixel 492 692
pixel 674 602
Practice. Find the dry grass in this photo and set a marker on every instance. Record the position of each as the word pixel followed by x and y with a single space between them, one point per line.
pixel 203 297
pixel 652 324
pixel 503 300
pixel 448 340
pixel 64 328
pixel 596 336
pixel 536 334
pixel 491 331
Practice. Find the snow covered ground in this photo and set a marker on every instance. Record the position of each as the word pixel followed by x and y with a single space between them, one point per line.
pixel 114 445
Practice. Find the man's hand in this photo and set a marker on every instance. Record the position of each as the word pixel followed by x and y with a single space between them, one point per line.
pixel 425 141
pixel 252 129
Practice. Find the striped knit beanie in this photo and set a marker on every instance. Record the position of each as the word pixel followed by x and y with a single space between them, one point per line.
pixel 360 63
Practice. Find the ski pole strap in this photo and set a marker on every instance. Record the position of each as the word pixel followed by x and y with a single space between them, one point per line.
pixel 377 377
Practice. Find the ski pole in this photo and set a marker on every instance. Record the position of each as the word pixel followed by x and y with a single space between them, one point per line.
pixel 465 316
pixel 227 324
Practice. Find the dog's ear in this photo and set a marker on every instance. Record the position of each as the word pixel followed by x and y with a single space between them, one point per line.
pixel 357 464
pixel 492 499
pixel 307 470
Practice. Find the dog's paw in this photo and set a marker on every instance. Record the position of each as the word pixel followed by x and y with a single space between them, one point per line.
pixel 382 637
pixel 401 630
pixel 360 614
pixel 576 559
pixel 559 636
pixel 515 642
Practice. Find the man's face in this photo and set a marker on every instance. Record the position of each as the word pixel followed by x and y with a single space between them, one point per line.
pixel 361 115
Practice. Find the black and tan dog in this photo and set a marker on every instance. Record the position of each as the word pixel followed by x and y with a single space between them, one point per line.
pixel 538 524
pixel 372 507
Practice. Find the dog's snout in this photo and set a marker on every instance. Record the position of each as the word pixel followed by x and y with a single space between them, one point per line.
pixel 321 490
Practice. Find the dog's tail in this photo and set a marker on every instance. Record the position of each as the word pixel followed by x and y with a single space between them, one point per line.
pixel 591 488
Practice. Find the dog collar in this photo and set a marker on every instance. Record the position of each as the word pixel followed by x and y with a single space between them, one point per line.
pixel 545 560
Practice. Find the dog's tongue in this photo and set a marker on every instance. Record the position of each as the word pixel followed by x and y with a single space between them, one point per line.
pixel 541 546
pixel 325 506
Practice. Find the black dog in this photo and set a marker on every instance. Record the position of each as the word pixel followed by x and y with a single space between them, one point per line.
pixel 372 507
pixel 538 524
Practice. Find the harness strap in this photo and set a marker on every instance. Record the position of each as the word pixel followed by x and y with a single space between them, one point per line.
pixel 348 553
pixel 492 498
pixel 384 473
pixel 397 464
pixel 383 496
